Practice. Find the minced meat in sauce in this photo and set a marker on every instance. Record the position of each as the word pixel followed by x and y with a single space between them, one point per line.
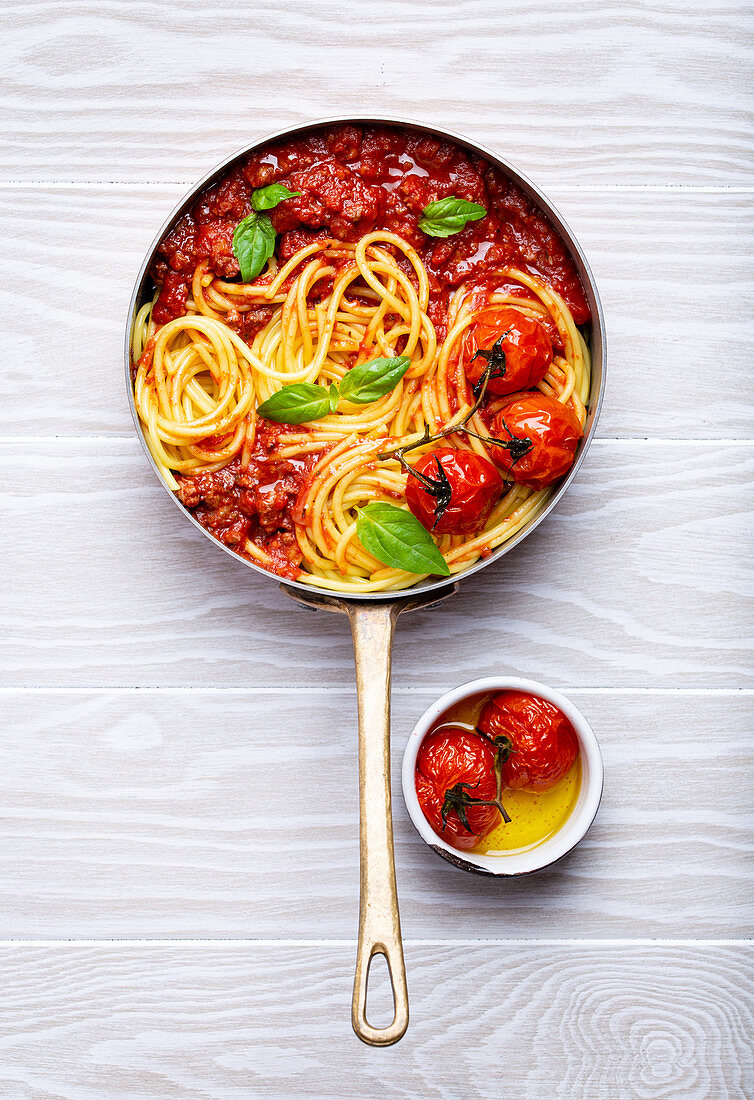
pixel 352 180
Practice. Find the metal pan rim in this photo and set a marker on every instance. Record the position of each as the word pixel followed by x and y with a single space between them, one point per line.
pixel 598 338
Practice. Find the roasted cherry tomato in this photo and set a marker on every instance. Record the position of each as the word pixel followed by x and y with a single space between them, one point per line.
pixel 518 348
pixel 543 743
pixel 552 431
pixel 453 492
pixel 452 766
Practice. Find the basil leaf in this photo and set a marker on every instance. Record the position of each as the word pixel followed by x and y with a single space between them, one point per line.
pixel 334 397
pixel 373 380
pixel 267 198
pixel 296 404
pixel 448 216
pixel 253 244
pixel 396 538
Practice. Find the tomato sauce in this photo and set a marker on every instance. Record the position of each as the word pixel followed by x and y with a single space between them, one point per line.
pixel 352 180
pixel 357 179
pixel 255 501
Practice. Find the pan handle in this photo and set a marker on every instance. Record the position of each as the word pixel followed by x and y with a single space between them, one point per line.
pixel 372 627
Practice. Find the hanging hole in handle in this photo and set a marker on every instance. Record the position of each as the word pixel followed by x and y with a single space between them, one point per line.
pixel 379 1009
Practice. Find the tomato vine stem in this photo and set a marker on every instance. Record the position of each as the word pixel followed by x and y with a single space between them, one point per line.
pixel 517 446
pixel 457 798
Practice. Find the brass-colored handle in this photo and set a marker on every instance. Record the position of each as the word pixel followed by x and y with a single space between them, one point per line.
pixel 372 627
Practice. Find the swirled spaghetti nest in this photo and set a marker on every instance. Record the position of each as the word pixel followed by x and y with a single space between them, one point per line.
pixel 334 306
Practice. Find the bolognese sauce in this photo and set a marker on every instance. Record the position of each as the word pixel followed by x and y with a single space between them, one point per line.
pixel 353 180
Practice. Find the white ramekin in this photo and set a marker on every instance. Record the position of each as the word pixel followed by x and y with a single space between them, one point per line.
pixel 561 842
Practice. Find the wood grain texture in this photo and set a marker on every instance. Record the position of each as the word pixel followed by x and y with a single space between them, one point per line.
pixel 617 586
pixel 666 315
pixel 216 813
pixel 579 93
pixel 220 804
pixel 224 1022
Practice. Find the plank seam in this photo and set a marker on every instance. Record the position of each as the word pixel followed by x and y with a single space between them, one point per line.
pixel 339 689
pixel 624 440
pixel 596 188
pixel 198 941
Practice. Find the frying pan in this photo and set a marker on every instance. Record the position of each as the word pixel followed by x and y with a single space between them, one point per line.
pixel 373 617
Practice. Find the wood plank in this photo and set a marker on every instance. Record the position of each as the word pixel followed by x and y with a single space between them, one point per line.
pixel 222 1021
pixel 198 809
pixel 112 586
pixel 161 813
pixel 624 93
pixel 670 265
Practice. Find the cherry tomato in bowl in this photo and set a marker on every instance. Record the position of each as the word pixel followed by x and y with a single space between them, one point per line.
pixel 467 701
pixel 455 773
pixel 518 348
pixel 452 491
pixel 539 437
pixel 542 743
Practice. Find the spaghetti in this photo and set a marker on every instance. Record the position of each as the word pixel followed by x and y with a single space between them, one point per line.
pixel 331 307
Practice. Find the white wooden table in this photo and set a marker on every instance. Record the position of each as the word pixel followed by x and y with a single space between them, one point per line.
pixel 178 823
